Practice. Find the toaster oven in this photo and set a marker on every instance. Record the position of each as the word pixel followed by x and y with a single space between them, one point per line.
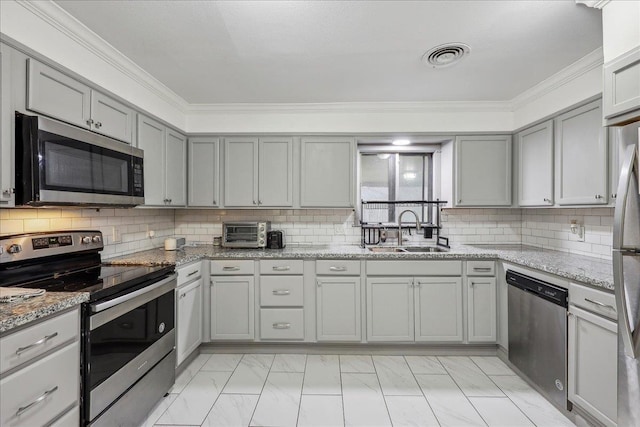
pixel 250 234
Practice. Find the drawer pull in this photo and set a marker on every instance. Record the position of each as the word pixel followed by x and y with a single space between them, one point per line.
pixel 44 395
pixel 281 268
pixel 193 272
pixel 233 268
pixel 481 268
pixel 39 342
pixel 600 304
pixel 332 268
pixel 282 326
pixel 281 292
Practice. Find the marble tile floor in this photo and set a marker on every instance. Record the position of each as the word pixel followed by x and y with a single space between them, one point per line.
pixel 351 390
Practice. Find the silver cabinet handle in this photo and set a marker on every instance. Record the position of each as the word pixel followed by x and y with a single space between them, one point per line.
pixel 42 397
pixel 281 268
pixel 598 303
pixel 193 272
pixel 232 268
pixel 282 325
pixel 259 202
pixel 459 200
pixel 319 283
pixel 254 202
pixel 332 268
pixel 547 200
pixel 98 125
pixel 214 202
pixel 598 197
pixel 37 343
pixel 281 292
pixel 90 122
pixel 614 196
pixel 472 284
pixel 481 268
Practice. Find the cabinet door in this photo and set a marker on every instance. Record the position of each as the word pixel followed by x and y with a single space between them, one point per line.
pixel 338 309
pixel 57 95
pixel 240 172
pixel 482 309
pixel 204 172
pixel 327 172
pixel 581 156
pixel 111 117
pixel 621 91
pixel 483 171
pixel 390 309
pixel 232 308
pixel 189 315
pixel 275 167
pixel 151 137
pixel 176 164
pixel 438 308
pixel 593 369
pixel 535 161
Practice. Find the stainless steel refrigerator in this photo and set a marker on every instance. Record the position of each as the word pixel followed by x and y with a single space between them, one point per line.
pixel 626 274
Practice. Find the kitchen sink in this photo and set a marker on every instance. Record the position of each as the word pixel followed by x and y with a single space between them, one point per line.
pixel 423 249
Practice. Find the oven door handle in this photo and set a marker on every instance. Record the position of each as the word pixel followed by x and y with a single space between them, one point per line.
pixel 106 311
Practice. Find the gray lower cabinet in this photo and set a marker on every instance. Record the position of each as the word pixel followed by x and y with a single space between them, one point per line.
pixel 482 171
pixel 188 319
pixel 232 307
pixel 338 316
pixel 327 172
pixel 581 157
pixel 535 165
pixel 621 92
pixel 40 372
pixel 258 172
pixel 165 160
pixel 390 315
pixel 57 95
pixel 203 172
pixel 482 309
pixel 438 309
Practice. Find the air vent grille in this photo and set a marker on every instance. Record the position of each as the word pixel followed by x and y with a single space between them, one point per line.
pixel 445 55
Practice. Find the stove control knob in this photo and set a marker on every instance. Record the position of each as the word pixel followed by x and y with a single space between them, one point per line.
pixel 97 239
pixel 14 249
pixel 86 240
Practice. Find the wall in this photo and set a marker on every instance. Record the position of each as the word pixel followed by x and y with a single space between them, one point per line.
pixel 490 226
pixel 130 225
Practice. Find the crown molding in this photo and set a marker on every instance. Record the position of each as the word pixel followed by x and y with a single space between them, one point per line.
pixel 61 20
pixel 582 66
pixel 596 4
pixel 351 107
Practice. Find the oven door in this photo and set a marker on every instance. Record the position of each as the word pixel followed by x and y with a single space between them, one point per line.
pixel 127 336
pixel 73 166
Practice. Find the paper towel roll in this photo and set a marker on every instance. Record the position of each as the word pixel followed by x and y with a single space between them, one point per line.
pixel 170 244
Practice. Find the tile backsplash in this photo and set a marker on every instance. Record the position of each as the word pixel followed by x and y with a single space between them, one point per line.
pixel 127 230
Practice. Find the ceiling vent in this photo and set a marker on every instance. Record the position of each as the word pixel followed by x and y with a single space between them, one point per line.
pixel 445 55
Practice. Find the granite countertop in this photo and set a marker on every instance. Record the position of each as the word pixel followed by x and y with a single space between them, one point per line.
pixel 18 313
pixel 588 270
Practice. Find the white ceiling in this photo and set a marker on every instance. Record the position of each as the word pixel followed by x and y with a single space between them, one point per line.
pixel 347 51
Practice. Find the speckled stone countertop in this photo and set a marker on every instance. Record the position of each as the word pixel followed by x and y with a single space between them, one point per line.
pixel 592 271
pixel 18 313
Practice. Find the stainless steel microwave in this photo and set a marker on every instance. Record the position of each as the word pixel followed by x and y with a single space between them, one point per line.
pixel 59 164
pixel 245 234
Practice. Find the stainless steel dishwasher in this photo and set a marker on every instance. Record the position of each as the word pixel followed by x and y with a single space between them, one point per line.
pixel 538 333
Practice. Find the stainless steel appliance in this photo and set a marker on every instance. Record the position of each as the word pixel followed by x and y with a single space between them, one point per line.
pixel 275 239
pixel 128 336
pixel 538 333
pixel 626 275
pixel 247 234
pixel 59 164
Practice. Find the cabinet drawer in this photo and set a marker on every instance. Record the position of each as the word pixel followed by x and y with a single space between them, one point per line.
pixel 22 346
pixel 414 268
pixel 276 291
pixel 282 323
pixel 231 267
pixel 603 303
pixel 281 266
pixel 481 268
pixel 337 268
pixel 189 273
pixel 57 375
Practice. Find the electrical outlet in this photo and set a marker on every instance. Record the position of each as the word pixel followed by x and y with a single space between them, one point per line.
pixel 151 234
pixel 116 236
pixel 339 230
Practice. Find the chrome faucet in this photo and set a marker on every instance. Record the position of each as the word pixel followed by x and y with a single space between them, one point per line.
pixel 400 224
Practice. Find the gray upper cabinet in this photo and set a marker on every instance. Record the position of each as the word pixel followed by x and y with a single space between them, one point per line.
pixel 165 160
pixel 327 172
pixel 204 172
pixel 622 88
pixel 581 156
pixel 258 172
pixel 57 95
pixel 7 177
pixel 535 161
pixel 483 171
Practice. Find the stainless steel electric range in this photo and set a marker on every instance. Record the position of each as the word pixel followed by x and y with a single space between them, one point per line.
pixel 128 336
